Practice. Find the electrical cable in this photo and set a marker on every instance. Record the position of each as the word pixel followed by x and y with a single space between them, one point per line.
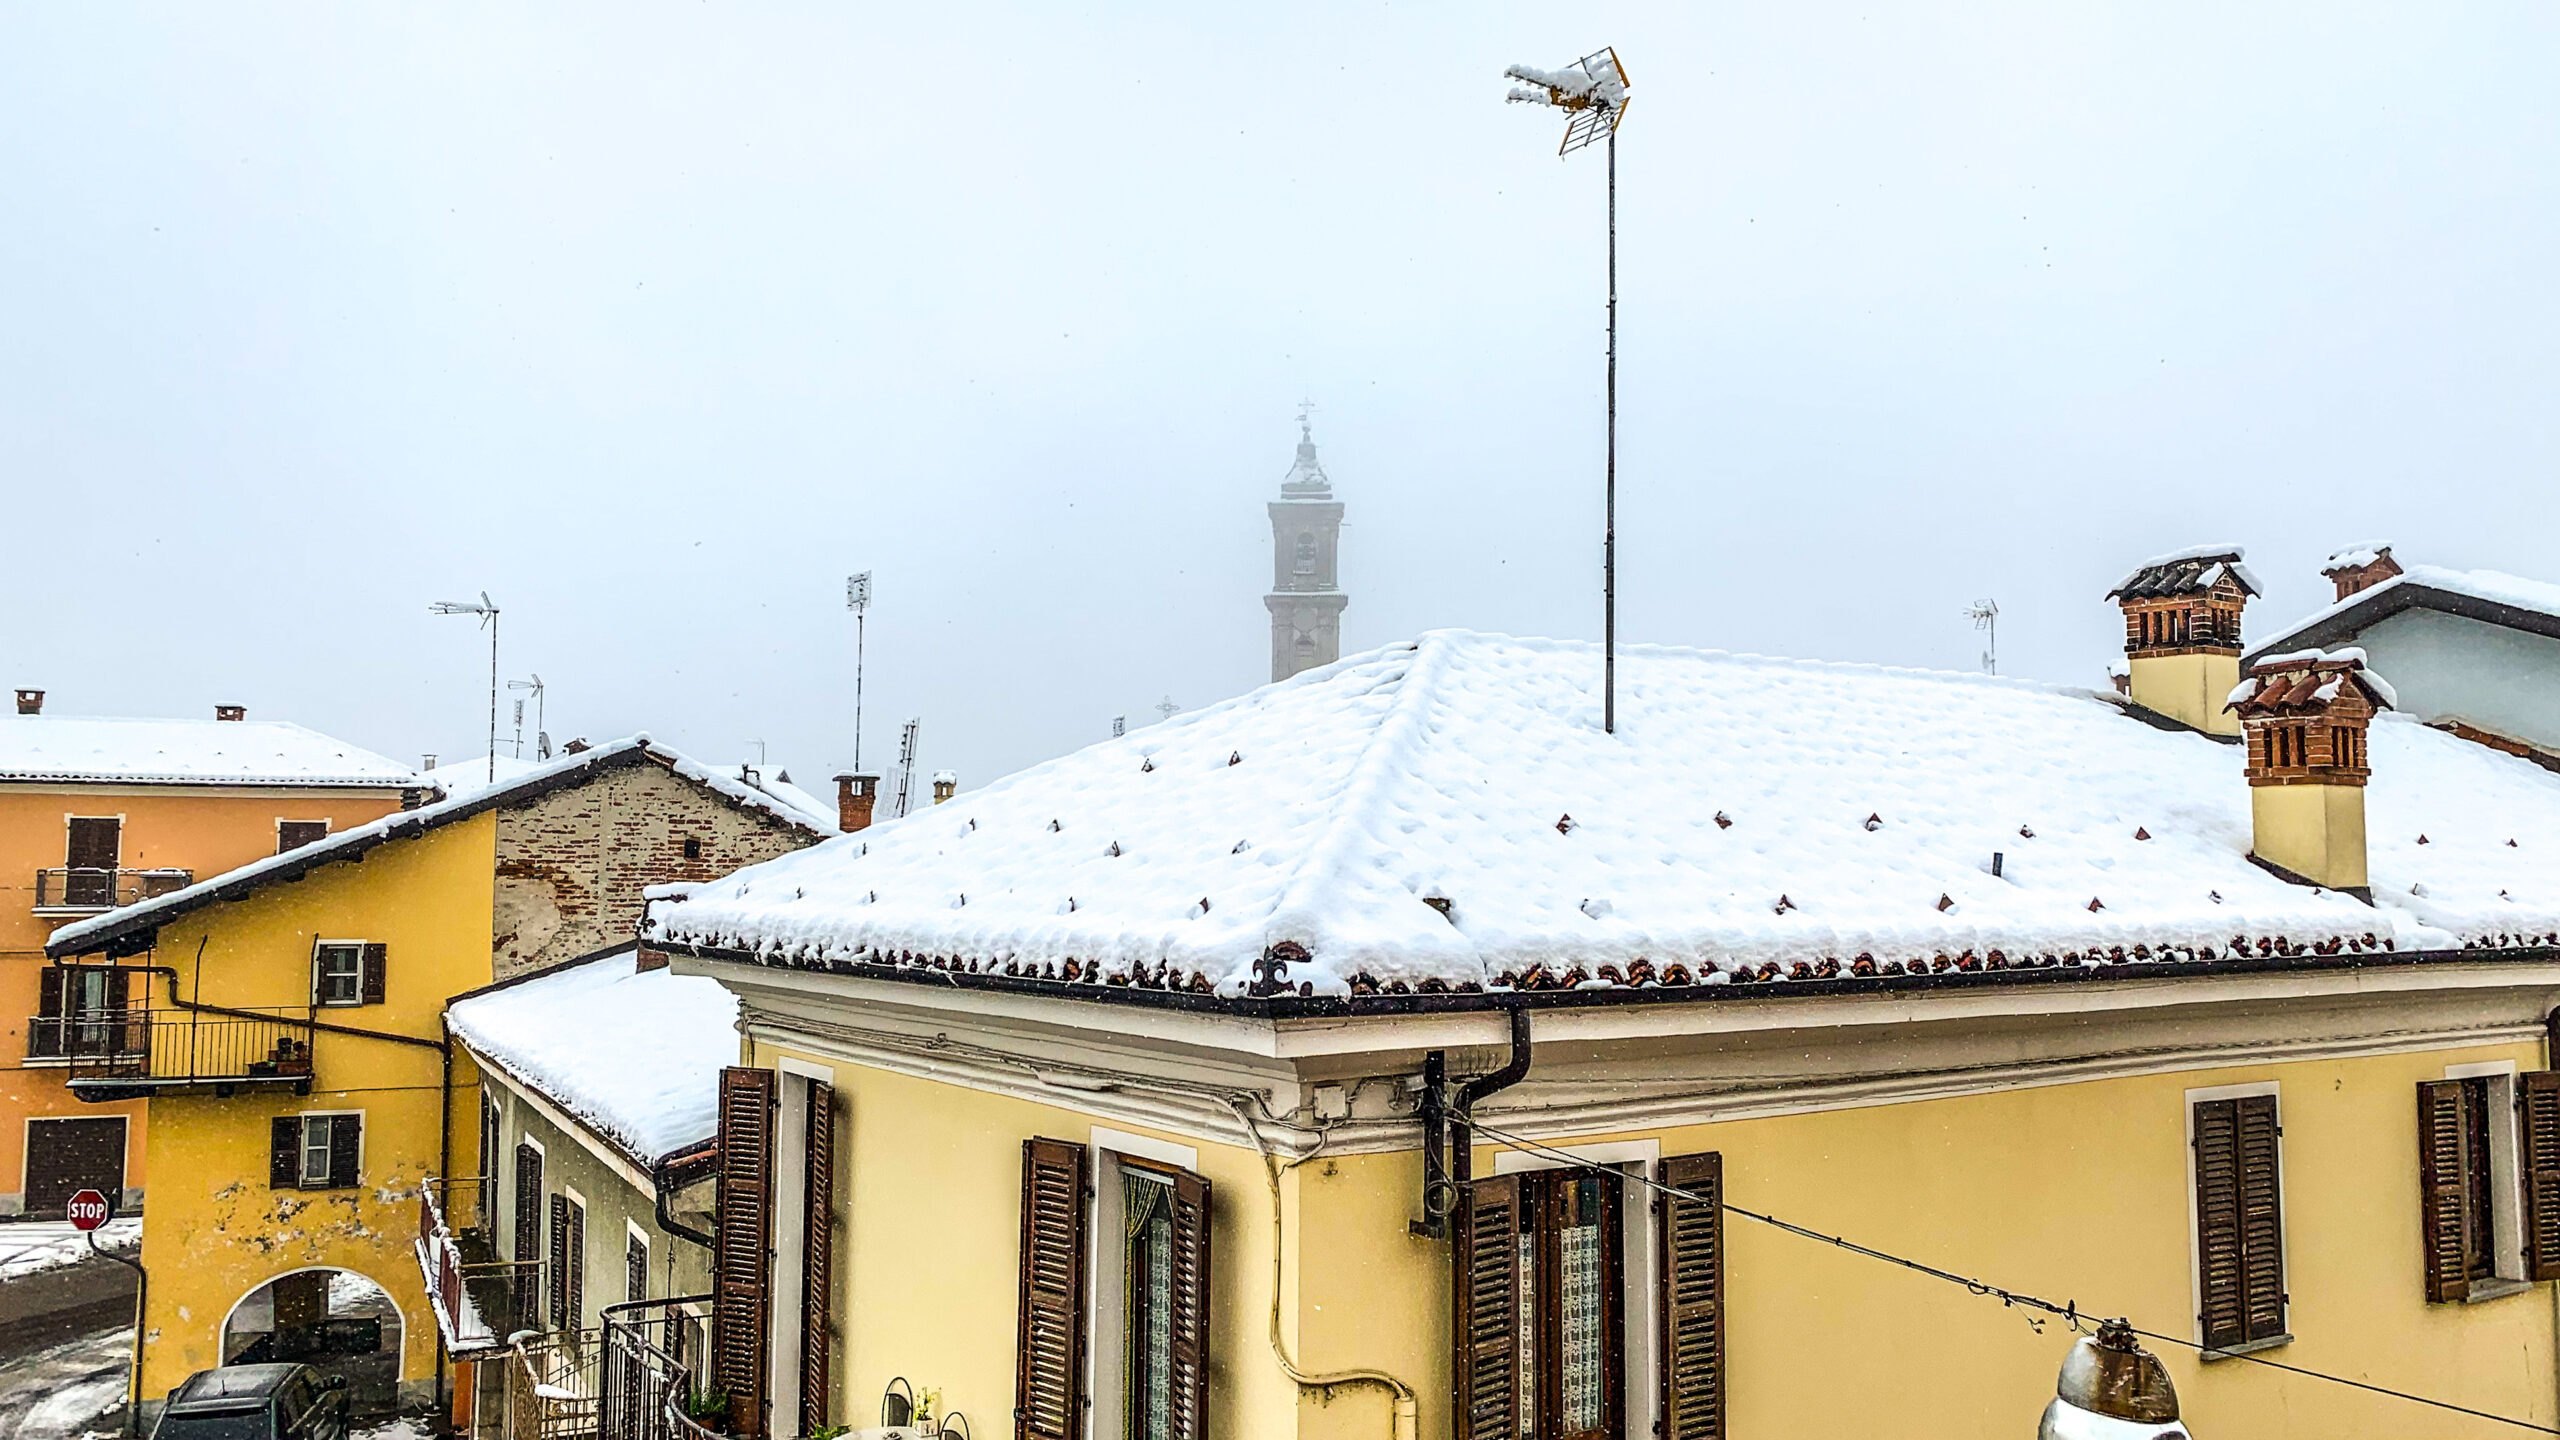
pixel 2069 1311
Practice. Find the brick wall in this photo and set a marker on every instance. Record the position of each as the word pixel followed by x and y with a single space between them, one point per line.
pixel 572 864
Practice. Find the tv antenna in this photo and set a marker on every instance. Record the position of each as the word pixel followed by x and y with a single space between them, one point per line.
pixel 857 598
pixel 1985 615
pixel 487 610
pixel 541 731
pixel 1166 708
pixel 906 765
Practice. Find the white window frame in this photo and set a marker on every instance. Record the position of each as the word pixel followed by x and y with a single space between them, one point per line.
pixel 302 1148
pixel 320 974
pixel 2506 1187
pixel 2195 1228
pixel 648 1256
pixel 1639 1160
pixel 1106 1278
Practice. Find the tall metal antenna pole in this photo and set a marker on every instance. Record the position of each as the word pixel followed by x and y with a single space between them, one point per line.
pixel 1609 542
pixel 487 610
pixel 857 598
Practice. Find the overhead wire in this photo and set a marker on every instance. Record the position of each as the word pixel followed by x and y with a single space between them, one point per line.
pixel 2070 1312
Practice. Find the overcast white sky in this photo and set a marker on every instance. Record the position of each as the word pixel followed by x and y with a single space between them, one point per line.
pixel 655 321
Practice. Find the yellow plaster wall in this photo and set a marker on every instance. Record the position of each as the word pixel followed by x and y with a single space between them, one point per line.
pixel 2188 688
pixel 2315 831
pixel 216 1232
pixel 206 831
pixel 2075 1192
pixel 928 1279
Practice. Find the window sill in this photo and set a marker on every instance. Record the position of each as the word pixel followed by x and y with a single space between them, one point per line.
pixel 2500 1289
pixel 2231 1352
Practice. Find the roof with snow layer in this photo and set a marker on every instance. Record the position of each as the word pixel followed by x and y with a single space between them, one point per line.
pixel 2486 595
pixel 100 932
pixel 2187 572
pixel 92 749
pixel 1447 815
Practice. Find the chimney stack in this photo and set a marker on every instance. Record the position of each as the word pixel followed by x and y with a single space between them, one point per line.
pixel 2360 567
pixel 946 783
pixel 230 712
pixel 30 702
pixel 2307 716
pixel 427 761
pixel 2182 634
pixel 855 795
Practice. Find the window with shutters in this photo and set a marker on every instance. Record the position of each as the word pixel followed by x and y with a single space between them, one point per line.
pixel 83 1010
pixel 568 1261
pixel 316 1152
pixel 2478 1134
pixel 635 1265
pixel 337 973
pixel 2235 1159
pixel 1163 1298
pixel 1543 1298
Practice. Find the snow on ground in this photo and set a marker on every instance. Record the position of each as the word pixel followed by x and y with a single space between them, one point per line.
pixel 398 1427
pixel 198 752
pixel 1750 813
pixel 636 1054
pixel 75 1389
pixel 27 1246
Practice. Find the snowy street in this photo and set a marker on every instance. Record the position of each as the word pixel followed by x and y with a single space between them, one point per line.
pixel 67 1390
pixel 27 1246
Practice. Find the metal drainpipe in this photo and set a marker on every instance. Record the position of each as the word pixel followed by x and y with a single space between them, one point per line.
pixel 1462 1159
pixel 2551 1061
pixel 658 1181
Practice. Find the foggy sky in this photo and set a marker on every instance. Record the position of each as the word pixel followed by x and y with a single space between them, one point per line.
pixel 655 321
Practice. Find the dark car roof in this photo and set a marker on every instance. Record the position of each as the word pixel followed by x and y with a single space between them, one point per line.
pixel 229 1386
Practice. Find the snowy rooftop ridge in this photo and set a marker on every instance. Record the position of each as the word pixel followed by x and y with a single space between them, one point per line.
pixel 96 749
pixel 2194 569
pixel 1448 816
pixel 634 1054
pixel 2516 592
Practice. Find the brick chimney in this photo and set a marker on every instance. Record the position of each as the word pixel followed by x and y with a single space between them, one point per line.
pixel 946 783
pixel 30 702
pixel 2360 567
pixel 855 795
pixel 230 712
pixel 2307 716
pixel 2182 634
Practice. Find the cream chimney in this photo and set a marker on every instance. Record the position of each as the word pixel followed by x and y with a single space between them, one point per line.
pixel 2307 716
pixel 2182 634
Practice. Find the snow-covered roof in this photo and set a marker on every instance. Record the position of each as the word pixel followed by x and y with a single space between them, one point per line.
pixel 2187 572
pixel 766 787
pixel 634 1054
pixel 457 778
pixel 1448 815
pixel 2491 593
pixel 83 936
pixel 113 750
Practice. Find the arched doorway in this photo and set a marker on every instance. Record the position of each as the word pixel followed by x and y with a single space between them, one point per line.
pixel 336 1321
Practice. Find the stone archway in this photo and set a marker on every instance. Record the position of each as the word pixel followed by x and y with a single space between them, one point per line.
pixel 338 1322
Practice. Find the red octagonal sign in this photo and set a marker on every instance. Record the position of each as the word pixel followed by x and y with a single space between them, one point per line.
pixel 86 1210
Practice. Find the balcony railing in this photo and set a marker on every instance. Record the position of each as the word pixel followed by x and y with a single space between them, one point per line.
pixel 480 1299
pixel 113 1034
pixel 81 890
pixel 146 1052
pixel 647 1384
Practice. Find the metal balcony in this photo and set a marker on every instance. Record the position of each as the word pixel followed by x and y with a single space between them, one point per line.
pixel 124 1054
pixel 81 890
pixel 479 1299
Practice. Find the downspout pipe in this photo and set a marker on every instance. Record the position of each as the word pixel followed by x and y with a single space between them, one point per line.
pixel 662 1180
pixel 2551 1061
pixel 1462 1158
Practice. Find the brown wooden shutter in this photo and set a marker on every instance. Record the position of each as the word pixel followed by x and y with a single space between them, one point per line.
pixel 376 958
pixel 1692 1299
pixel 119 990
pixel 2239 1227
pixel 742 1249
pixel 49 992
pixel 561 1318
pixel 528 1204
pixel 1187 1408
pixel 2444 1166
pixel 2540 1093
pixel 284 1152
pixel 346 1146
pixel 635 1269
pixel 575 1316
pixel 817 1258
pixel 1049 1338
pixel 45 1040
pixel 1486 1324
pixel 2261 1217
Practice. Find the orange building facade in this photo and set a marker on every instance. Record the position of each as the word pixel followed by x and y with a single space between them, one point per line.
pixel 96 814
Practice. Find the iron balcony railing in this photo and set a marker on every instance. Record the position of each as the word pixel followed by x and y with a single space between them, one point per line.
pixel 110 1034
pixel 151 1051
pixel 83 890
pixel 646 1389
pixel 480 1300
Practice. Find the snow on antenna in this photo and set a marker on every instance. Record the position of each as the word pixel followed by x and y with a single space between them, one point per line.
pixel 1985 615
pixel 1592 92
pixel 487 610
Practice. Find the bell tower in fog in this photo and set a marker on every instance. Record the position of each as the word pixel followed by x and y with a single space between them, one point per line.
pixel 1306 598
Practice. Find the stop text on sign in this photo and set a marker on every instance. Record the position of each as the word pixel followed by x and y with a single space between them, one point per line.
pixel 86 1210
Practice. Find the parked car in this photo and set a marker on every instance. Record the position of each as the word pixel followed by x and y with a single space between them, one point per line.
pixel 256 1402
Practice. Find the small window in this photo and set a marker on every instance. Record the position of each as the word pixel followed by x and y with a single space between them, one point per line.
pixel 316 1152
pixel 635 1267
pixel 692 848
pixel 294 834
pixel 338 977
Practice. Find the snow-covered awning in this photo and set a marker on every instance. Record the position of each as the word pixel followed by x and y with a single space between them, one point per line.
pixel 1448 815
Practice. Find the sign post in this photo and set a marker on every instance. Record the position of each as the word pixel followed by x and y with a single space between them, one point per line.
pixel 86 1211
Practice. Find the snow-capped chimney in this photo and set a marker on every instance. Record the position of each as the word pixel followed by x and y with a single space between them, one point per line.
pixel 2360 567
pixel 855 795
pixel 946 783
pixel 30 702
pixel 2182 634
pixel 2307 715
pixel 230 712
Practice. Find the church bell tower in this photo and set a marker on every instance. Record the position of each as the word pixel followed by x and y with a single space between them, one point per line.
pixel 1306 596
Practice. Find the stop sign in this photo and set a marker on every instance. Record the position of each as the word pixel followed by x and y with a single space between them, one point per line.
pixel 86 1211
